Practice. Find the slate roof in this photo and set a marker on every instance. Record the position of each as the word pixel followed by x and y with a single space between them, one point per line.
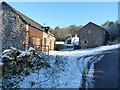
pixel 91 23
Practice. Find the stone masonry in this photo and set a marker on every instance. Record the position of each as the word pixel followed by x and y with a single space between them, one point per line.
pixel 13 29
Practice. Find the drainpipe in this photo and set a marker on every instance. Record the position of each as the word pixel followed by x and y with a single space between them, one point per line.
pixel 27 37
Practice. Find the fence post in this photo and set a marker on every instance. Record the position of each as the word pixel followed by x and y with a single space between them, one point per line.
pixel 48 51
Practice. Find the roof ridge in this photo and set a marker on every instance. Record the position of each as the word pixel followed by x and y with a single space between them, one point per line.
pixel 95 25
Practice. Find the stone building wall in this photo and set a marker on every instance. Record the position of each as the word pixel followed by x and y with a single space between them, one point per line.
pixel 92 36
pixel 1 12
pixel 48 40
pixel 13 28
pixel 52 42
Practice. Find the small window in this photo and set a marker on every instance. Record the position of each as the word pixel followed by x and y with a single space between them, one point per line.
pixel 85 42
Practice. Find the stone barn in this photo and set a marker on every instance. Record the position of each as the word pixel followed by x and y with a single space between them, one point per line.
pixel 92 35
pixel 18 30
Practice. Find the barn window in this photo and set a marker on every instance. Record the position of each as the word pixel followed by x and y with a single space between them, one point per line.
pixel 85 42
pixel 89 31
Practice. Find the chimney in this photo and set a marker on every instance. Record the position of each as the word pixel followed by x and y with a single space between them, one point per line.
pixel 46 29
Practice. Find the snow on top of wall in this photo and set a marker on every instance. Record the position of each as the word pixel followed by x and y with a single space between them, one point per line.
pixel 31 49
pixel 59 42
pixel 1 63
pixel 8 50
pixel 22 53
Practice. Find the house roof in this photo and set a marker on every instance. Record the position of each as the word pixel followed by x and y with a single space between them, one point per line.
pixel 26 19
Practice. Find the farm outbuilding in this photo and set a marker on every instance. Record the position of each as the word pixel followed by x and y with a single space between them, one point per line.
pixel 18 30
pixel 92 35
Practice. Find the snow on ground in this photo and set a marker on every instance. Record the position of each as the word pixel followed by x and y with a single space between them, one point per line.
pixel 82 64
pixel 65 70
pixel 84 52
pixel 63 73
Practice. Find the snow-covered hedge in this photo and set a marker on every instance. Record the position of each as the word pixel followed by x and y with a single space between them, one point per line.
pixel 14 57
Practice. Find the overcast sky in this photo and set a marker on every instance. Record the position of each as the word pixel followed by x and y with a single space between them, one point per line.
pixel 64 14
